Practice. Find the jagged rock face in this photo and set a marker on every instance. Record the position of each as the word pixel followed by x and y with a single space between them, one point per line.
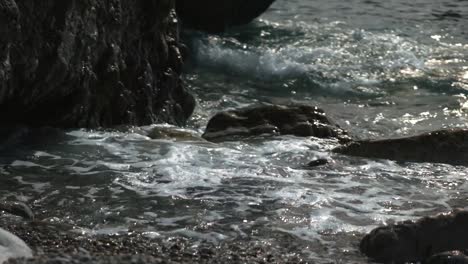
pixel 90 63
pixel 444 146
pixel 298 120
pixel 218 15
pixel 417 241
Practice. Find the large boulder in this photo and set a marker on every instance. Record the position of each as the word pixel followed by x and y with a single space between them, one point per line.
pixel 444 146
pixel 298 120
pixel 90 63
pixel 413 241
pixel 217 15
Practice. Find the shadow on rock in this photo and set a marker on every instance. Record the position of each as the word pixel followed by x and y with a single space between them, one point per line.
pixel 413 241
pixel 448 146
pixel 297 120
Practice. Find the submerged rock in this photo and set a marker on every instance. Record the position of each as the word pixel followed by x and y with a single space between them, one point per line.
pixel 91 63
pixel 217 15
pixel 444 146
pixel 413 241
pixel 12 246
pixel 298 120
pixel 17 208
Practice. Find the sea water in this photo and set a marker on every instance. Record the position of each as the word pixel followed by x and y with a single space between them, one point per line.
pixel 378 68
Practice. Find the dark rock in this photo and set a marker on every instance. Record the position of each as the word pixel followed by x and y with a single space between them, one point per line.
pixel 444 146
pixel 90 63
pixel 17 208
pixel 298 120
pixel 217 15
pixel 451 257
pixel 317 162
pixel 411 241
pixel 173 133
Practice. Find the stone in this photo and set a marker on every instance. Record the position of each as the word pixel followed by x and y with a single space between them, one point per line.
pixel 298 120
pixel 413 241
pixel 172 133
pixel 448 146
pixel 317 163
pixel 68 63
pixel 17 208
pixel 12 246
pixel 218 15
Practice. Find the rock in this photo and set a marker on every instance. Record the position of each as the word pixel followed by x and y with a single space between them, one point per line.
pixel 17 208
pixel 12 246
pixel 91 63
pixel 413 241
pixel 173 133
pixel 444 146
pixel 218 15
pixel 317 163
pixel 298 120
pixel 450 257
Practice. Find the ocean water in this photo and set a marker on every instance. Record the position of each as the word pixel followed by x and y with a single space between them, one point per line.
pixel 378 68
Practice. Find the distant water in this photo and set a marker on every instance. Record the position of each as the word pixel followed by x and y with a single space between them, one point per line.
pixel 378 68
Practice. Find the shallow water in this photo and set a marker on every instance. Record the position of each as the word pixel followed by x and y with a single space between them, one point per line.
pixel 379 69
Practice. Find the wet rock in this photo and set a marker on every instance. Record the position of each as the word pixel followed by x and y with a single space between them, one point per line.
pixel 12 246
pixel 173 133
pixel 451 257
pixel 317 163
pixel 91 63
pixel 444 146
pixel 413 241
pixel 298 120
pixel 17 208
pixel 217 15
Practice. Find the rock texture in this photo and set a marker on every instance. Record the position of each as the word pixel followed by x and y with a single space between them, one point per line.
pixel 450 257
pixel 218 15
pixel 298 120
pixel 444 146
pixel 90 63
pixel 417 241
pixel 17 208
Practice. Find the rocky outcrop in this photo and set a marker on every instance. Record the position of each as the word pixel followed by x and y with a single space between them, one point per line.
pixel 218 15
pixel 298 120
pixel 444 146
pixel 411 241
pixel 90 63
